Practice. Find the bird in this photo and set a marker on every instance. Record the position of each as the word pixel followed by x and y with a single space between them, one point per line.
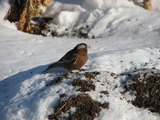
pixel 73 59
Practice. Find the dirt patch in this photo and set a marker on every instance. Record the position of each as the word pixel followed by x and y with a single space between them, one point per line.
pixel 145 86
pixel 81 106
pixel 91 75
pixel 86 108
pixel 105 92
pixel 85 85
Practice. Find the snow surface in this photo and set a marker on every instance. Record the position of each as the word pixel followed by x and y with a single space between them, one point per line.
pixel 126 37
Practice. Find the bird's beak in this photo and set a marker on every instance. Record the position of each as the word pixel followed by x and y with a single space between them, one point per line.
pixel 88 47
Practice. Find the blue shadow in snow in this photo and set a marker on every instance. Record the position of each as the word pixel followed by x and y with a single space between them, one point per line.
pixel 10 86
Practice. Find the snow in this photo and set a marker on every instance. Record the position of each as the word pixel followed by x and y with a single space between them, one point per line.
pixel 129 60
pixel 126 37
pixel 114 21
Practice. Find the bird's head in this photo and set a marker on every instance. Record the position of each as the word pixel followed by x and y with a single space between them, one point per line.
pixel 82 46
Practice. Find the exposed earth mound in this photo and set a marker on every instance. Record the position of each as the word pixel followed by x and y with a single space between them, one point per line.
pixel 79 106
pixel 145 86
pixel 85 108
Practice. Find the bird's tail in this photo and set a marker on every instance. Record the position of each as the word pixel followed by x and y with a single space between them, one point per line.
pixel 50 67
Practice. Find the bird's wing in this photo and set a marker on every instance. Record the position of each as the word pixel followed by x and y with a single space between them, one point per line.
pixel 68 58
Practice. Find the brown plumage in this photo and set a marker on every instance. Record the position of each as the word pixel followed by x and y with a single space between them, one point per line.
pixel 72 60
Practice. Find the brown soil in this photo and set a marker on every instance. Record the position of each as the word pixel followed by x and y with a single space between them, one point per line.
pixel 105 92
pixel 146 87
pixel 85 85
pixel 91 75
pixel 86 108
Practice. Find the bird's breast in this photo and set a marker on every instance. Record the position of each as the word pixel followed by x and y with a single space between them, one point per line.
pixel 81 60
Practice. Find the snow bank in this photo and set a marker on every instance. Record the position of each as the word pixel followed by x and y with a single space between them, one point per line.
pixel 4 7
pixel 128 61
pixel 25 95
pixel 155 5
pixel 109 17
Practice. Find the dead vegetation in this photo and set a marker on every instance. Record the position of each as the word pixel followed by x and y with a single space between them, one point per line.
pixel 16 8
pixel 23 11
pixel 147 4
pixel 145 86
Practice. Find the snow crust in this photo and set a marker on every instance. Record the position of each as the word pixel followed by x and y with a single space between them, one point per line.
pixel 126 37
